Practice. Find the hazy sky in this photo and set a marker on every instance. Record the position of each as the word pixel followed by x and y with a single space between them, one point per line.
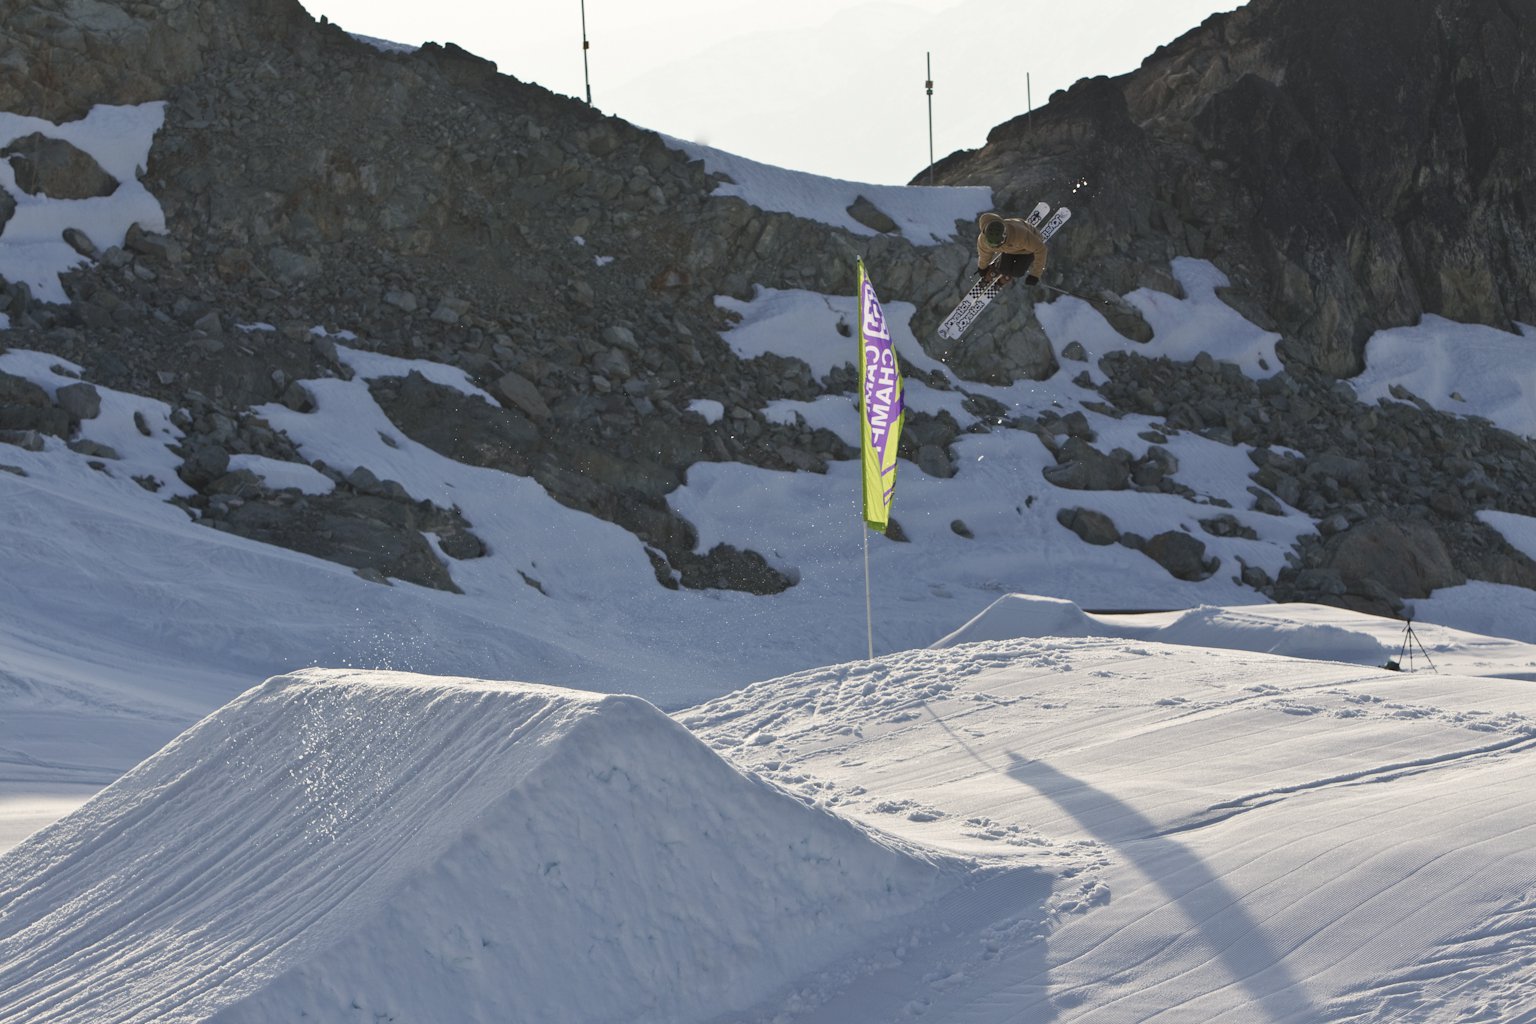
pixel 830 86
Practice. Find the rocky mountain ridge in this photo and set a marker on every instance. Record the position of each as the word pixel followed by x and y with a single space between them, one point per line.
pixel 1350 166
pixel 429 205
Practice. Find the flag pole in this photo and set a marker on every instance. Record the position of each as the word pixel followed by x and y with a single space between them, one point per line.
pixel 869 615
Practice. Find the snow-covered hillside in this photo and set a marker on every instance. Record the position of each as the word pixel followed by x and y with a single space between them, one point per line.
pixel 1019 809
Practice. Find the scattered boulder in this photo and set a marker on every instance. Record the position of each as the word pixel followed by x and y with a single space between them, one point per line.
pixel 871 216
pixel 1125 318
pixel 1405 556
pixel 51 167
pixel 1093 527
pixel 935 461
pixel 517 391
pixel 26 407
pixel 1182 555
pixel 80 401
pixel 1228 525
pixel 203 464
pixel 81 242
pixel 1081 467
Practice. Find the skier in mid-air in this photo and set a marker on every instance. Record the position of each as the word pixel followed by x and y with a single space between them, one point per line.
pixel 1006 248
pixel 1011 246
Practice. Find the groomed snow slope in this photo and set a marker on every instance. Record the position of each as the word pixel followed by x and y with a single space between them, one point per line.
pixel 1234 837
pixel 376 846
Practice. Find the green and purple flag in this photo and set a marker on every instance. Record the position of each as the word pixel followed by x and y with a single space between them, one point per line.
pixel 882 407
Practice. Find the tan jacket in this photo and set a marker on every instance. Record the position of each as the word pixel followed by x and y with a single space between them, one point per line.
pixel 1020 238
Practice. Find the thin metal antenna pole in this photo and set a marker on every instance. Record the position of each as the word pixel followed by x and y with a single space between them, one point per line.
pixel 585 46
pixel 1029 98
pixel 930 117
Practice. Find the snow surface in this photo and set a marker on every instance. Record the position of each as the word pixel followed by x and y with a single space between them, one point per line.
pixel 925 216
pixel 1233 836
pixel 1022 809
pixel 1462 369
pixel 1182 327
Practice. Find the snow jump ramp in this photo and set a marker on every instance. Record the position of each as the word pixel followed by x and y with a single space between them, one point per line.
pixel 337 845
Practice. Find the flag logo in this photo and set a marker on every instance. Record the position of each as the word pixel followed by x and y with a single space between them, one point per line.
pixel 882 406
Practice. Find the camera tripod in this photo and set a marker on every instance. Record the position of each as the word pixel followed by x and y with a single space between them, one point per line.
pixel 1410 641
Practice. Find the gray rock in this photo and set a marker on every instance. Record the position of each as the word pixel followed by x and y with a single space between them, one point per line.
pixel 621 337
pixel 1227 525
pixel 521 393
pixel 1125 318
pixel 297 397
pixel 1323 582
pixel 81 242
pixel 26 440
pixel 162 249
pixel 1093 527
pixel 364 481
pixel 934 460
pixel 871 216
pixel 1405 556
pixel 1254 576
pixel 26 407
pixel 204 464
pixel 1182 555
pixel 1265 502
pixel 81 401
pixel 612 364
pixel 56 169
pixel 291 266
pixel 1081 467
pixel 450 310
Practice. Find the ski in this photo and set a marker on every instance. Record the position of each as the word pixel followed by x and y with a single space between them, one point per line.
pixel 1054 224
pixel 982 292
pixel 991 283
